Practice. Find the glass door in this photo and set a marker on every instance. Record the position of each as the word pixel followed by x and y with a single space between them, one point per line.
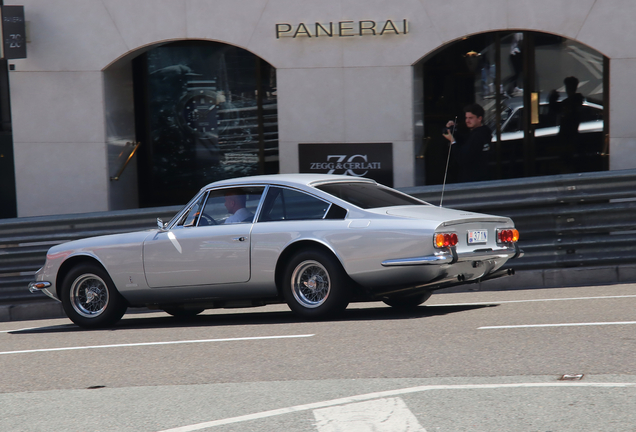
pixel 543 98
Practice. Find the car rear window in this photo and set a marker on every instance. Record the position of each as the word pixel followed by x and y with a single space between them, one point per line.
pixel 368 195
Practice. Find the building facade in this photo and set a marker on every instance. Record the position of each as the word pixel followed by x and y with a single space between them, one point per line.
pixel 218 88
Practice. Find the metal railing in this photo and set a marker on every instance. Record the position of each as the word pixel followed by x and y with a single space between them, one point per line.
pixel 569 220
pixel 24 241
pixel 565 221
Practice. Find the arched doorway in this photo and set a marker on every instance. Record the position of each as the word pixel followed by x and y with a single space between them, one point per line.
pixel 204 111
pixel 518 78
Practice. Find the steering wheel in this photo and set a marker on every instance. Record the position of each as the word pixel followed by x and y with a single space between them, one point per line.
pixel 206 220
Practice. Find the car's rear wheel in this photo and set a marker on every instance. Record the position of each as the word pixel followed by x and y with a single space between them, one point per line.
pixel 89 297
pixel 315 285
pixel 410 302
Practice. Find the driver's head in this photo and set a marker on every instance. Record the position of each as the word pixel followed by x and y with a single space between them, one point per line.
pixel 234 202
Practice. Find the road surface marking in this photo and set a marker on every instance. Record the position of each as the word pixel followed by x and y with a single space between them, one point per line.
pixel 382 394
pixel 18 330
pixel 157 343
pixel 381 415
pixel 532 300
pixel 557 325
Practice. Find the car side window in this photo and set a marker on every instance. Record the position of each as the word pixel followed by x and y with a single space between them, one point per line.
pixel 287 204
pixel 191 216
pixel 231 205
pixel 515 123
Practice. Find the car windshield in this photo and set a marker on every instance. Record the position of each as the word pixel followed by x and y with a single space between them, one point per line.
pixel 368 195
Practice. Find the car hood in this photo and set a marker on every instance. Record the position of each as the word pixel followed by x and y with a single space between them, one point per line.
pixel 442 214
pixel 88 243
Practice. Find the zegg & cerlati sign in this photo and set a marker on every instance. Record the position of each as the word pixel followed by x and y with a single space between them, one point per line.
pixel 343 29
pixel 371 160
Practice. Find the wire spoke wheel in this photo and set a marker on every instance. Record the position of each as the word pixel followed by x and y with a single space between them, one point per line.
pixel 90 298
pixel 311 284
pixel 315 285
pixel 89 295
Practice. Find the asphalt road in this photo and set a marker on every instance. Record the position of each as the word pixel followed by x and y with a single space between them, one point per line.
pixel 476 361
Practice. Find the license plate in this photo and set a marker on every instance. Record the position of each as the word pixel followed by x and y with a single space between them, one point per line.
pixel 478 236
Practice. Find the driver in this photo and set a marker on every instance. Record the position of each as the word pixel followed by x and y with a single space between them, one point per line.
pixel 235 204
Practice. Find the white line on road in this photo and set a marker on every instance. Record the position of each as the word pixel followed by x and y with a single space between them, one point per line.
pixel 380 415
pixel 39 328
pixel 557 325
pixel 532 300
pixel 377 395
pixel 18 330
pixel 157 343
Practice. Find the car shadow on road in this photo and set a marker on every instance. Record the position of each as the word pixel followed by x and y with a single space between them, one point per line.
pixel 251 317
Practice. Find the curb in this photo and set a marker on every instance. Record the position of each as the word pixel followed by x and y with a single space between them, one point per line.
pixel 42 309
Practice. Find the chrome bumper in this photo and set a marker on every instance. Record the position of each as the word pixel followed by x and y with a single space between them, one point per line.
pixel 38 286
pixel 450 256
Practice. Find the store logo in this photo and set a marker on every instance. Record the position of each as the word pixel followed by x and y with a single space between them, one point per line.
pixel 370 160
pixel 357 165
pixel 342 29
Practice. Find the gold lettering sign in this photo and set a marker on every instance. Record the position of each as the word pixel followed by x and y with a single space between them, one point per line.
pixel 346 28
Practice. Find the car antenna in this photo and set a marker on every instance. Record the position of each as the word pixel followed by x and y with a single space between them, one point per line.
pixel 450 146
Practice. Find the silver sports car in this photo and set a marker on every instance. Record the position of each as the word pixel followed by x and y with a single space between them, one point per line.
pixel 316 242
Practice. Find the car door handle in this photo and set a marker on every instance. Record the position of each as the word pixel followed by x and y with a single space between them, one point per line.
pixel 241 239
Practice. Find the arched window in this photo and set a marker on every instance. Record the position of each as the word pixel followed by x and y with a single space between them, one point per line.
pixel 539 124
pixel 205 111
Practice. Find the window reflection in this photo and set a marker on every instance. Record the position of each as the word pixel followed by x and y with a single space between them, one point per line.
pixel 501 71
pixel 209 112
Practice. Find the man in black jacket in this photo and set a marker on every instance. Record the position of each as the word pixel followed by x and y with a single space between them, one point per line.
pixel 473 148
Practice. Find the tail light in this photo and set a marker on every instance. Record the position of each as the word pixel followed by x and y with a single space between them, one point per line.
pixel 507 236
pixel 445 240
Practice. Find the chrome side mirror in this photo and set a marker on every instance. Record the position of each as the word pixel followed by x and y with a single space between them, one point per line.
pixel 161 225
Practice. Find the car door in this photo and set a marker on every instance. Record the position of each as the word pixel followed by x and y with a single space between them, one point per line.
pixel 201 248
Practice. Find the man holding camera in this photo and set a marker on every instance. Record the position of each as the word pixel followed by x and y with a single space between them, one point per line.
pixel 473 148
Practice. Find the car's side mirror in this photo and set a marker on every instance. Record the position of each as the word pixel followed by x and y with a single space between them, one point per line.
pixel 161 225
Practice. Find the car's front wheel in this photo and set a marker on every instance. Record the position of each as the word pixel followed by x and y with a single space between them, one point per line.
pixel 89 297
pixel 315 285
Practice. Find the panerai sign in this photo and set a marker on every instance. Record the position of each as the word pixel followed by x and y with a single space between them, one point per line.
pixel 372 160
pixel 343 29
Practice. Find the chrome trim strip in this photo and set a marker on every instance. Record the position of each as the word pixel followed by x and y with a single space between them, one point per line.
pixel 425 260
pixel 451 257
pixel 42 285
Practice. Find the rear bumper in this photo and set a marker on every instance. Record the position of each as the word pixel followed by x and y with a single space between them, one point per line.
pixel 450 256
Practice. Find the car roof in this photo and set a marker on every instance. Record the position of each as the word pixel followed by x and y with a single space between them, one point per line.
pixel 517 102
pixel 289 180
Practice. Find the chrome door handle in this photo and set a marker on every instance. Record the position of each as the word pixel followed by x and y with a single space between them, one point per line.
pixel 241 239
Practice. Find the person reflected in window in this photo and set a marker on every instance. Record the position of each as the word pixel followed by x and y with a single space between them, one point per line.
pixel 472 148
pixel 235 205
pixel 568 114
pixel 511 84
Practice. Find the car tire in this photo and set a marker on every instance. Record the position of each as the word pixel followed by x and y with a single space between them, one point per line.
pixel 89 297
pixel 315 285
pixel 408 303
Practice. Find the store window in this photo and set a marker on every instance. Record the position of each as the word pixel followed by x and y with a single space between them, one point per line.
pixel 205 111
pixel 544 99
